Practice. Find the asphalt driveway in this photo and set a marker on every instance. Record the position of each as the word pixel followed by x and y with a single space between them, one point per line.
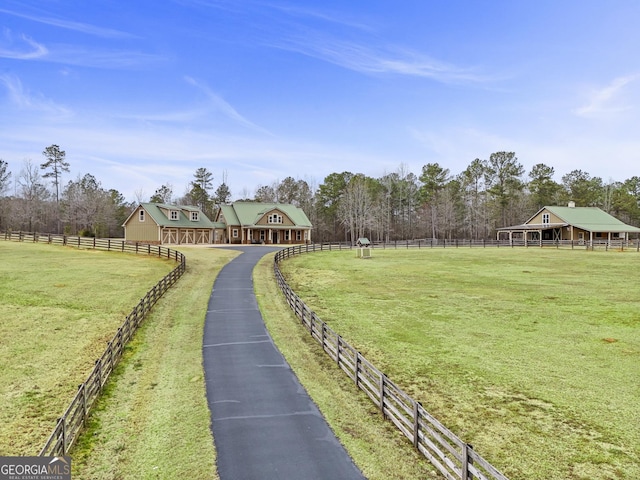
pixel 264 424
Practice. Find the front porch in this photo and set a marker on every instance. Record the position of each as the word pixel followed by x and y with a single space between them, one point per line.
pixel 269 236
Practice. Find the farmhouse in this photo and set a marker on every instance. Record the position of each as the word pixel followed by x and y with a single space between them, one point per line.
pixel 239 223
pixel 270 223
pixel 157 223
pixel 583 225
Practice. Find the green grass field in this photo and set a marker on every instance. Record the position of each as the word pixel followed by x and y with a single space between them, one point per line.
pixel 531 355
pixel 152 420
pixel 59 308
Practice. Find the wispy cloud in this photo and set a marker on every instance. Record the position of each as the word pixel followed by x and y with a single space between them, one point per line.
pixel 360 58
pixel 315 14
pixel 70 25
pixel 353 45
pixel 97 58
pixel 222 106
pixel 22 48
pixel 25 100
pixel 608 99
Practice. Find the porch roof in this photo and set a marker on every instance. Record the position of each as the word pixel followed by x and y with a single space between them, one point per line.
pixel 533 226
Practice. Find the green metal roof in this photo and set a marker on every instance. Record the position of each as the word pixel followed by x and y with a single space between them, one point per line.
pixel 591 219
pixel 249 213
pixel 184 216
pixel 230 217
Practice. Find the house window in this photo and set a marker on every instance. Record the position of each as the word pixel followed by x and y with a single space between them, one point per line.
pixel 234 233
pixel 286 235
pixel 298 235
pixel 262 235
pixel 141 216
pixel 194 216
pixel 275 218
pixel 545 218
pixel 173 215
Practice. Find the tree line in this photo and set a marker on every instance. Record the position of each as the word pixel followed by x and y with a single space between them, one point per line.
pixel 435 204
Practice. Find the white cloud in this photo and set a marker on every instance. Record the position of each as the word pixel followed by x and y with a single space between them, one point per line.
pixel 608 100
pixel 26 101
pixel 70 25
pixel 22 48
pixel 222 106
pixel 97 58
pixel 364 59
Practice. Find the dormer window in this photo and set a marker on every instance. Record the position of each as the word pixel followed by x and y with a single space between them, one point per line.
pixel 545 218
pixel 275 218
pixel 195 217
pixel 174 215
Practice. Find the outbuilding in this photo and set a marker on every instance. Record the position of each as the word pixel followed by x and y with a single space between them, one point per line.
pixel 158 223
pixel 583 225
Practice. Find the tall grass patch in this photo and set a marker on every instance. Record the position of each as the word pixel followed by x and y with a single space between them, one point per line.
pixel 59 308
pixel 531 355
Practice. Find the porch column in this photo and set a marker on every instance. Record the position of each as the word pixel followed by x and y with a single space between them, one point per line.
pixel 248 235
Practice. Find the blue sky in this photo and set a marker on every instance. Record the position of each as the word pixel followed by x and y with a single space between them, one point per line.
pixel 142 93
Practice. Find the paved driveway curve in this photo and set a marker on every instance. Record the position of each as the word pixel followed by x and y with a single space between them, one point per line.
pixel 264 424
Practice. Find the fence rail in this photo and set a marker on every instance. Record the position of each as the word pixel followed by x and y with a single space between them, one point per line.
pixel 455 459
pixel 70 424
pixel 466 243
pixel 617 245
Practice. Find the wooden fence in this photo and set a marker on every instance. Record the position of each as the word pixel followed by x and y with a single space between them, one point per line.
pixel 70 424
pixel 454 458
pixel 617 245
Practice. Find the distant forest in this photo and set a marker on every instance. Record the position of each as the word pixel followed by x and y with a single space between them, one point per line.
pixel 488 194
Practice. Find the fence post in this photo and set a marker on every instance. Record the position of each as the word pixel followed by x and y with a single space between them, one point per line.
pixel 381 387
pixel 85 413
pixel 416 424
pixel 98 369
pixel 64 435
pixel 338 351
pixel 466 461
